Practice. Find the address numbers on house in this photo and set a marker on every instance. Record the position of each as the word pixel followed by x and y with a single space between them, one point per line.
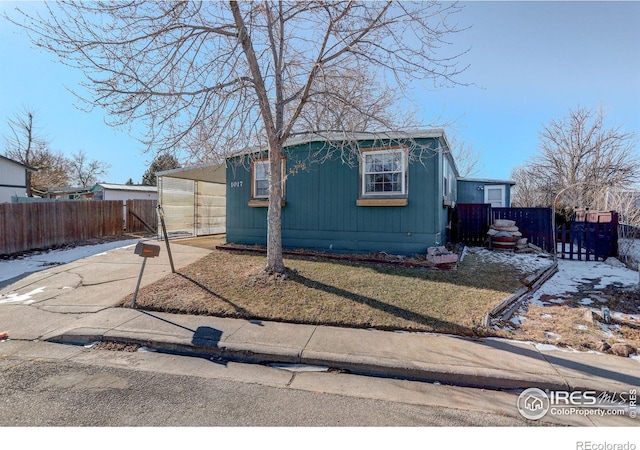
pixel 236 184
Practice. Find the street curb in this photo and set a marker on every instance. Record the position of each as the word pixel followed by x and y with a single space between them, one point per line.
pixel 483 378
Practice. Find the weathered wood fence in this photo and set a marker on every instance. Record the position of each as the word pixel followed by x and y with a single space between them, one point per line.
pixel 28 226
pixel 42 225
pixel 142 216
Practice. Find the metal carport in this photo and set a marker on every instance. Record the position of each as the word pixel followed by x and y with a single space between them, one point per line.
pixel 193 200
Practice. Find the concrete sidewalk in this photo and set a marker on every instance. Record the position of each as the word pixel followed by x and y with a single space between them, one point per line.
pixel 74 304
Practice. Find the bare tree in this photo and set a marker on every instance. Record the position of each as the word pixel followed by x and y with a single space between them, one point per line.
pixel 25 144
pixel 580 157
pixel 468 160
pixel 626 202
pixel 86 172
pixel 53 168
pixel 209 77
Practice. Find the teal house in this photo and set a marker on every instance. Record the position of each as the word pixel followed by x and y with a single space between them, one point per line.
pixel 481 190
pixel 373 192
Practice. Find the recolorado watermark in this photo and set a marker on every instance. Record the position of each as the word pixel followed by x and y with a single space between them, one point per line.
pixel 534 404
pixel 588 445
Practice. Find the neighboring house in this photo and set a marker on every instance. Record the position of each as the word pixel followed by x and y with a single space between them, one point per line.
pixel 67 193
pixel 396 196
pixel 479 190
pixel 13 179
pixel 124 192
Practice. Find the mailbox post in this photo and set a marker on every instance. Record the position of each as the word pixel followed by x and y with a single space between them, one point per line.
pixel 146 251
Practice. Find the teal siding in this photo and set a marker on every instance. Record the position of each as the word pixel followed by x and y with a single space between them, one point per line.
pixel 320 209
pixel 468 191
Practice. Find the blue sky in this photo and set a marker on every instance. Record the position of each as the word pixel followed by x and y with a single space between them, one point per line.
pixel 530 62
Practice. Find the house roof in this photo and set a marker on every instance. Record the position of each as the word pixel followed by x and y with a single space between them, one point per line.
pixel 29 168
pixel 124 187
pixel 216 173
pixel 487 180
pixel 66 190
pixel 212 173
pixel 344 136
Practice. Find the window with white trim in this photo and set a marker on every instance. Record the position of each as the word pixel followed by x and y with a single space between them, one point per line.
pixel 260 172
pixel 384 172
pixel 261 178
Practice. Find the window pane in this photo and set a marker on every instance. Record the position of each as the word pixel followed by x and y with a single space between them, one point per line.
pixel 494 195
pixel 262 188
pixel 262 170
pixel 383 172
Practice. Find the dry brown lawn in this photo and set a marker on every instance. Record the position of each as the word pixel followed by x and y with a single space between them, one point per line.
pixel 320 291
pixel 362 295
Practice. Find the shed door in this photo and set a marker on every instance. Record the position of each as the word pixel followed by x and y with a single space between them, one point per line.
pixel 210 208
pixel 495 194
pixel 177 200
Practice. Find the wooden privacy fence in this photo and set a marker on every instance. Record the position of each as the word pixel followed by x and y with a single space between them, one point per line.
pixel 535 224
pixel 470 223
pixel 28 226
pixel 142 216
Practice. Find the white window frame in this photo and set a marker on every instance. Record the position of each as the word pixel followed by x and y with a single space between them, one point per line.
pixel 503 190
pixel 254 180
pixel 403 172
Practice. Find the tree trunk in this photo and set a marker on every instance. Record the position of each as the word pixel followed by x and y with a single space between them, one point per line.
pixel 275 261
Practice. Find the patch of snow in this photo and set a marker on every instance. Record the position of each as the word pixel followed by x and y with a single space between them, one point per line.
pixel 554 336
pixel 546 316
pixel 34 263
pixel 517 320
pixel 606 329
pixel 91 344
pixel 547 347
pixel 572 274
pixel 24 298
pixel 144 349
pixel 635 357
pixel 299 367
pixel 586 301
pixel 582 327
pixel 526 262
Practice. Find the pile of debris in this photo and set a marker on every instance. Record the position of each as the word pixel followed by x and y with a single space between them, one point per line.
pixel 441 255
pixel 506 236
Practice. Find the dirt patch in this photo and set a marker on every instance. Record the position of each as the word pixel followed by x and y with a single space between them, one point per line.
pixel 588 318
pixel 116 347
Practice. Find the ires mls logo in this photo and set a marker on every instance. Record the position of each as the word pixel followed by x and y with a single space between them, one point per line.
pixel 534 403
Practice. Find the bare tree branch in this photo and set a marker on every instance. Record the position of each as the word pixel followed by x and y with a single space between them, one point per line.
pixel 208 78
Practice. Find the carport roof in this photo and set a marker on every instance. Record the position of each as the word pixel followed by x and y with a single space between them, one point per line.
pixel 212 173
